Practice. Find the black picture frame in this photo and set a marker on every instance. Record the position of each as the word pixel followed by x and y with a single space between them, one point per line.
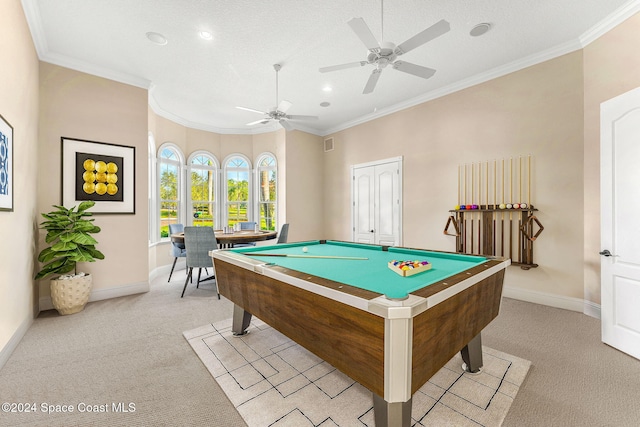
pixel 98 171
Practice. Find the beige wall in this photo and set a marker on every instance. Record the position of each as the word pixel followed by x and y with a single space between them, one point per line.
pixel 19 107
pixel 535 111
pixel 79 105
pixel 304 186
pixel 611 67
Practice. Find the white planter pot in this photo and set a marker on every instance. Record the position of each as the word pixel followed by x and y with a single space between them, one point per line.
pixel 69 296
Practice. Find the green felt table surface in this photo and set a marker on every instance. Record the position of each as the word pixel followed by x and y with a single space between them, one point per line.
pixel 372 274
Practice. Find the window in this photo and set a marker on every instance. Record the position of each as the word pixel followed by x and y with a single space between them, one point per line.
pixel 169 167
pixel 202 185
pixel 237 175
pixel 267 175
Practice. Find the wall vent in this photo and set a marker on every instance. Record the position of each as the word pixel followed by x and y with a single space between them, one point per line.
pixel 328 144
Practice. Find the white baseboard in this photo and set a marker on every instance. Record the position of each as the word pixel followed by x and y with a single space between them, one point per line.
pixel 164 270
pixel 558 301
pixel 13 342
pixel 107 293
pixel 592 309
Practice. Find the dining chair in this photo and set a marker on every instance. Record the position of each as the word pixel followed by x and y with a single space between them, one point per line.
pixel 284 233
pixel 177 249
pixel 199 241
pixel 246 225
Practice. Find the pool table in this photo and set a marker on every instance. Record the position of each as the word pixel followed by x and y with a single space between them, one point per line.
pixel 342 302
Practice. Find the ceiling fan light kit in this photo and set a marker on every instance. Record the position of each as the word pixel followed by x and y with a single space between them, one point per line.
pixel 382 53
pixel 279 112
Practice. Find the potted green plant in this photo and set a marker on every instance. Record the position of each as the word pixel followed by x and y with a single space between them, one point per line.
pixel 69 236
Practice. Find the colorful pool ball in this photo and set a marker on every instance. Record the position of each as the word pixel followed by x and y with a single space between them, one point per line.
pixel 304 249
pixel 516 206
pixel 509 206
pixel 523 206
pixel 502 206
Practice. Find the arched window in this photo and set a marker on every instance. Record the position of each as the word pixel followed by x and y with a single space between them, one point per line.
pixel 202 185
pixel 267 183
pixel 170 161
pixel 237 173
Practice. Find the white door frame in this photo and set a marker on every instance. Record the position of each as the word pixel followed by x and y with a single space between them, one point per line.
pixel 620 263
pixel 397 160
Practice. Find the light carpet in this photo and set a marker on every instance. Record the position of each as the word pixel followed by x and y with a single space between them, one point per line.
pixel 272 381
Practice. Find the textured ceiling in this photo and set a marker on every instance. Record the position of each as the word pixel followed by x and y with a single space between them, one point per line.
pixel 199 83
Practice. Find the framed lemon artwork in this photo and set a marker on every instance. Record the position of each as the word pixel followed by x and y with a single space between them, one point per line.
pixel 98 171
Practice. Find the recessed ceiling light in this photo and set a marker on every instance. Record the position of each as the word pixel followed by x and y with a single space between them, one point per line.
pixel 207 35
pixel 327 89
pixel 325 104
pixel 157 38
pixel 480 29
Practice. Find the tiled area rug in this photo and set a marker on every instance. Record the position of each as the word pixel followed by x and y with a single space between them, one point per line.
pixel 272 381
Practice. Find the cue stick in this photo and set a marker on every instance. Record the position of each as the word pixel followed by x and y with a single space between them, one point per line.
pixel 520 251
pixel 486 195
pixel 487 185
pixel 458 186
pixel 307 256
pixel 502 215
pixel 479 204
pixel 520 181
pixel 529 182
pixel 511 213
pixel 495 188
pixel 464 219
pixel 473 217
pixel 530 228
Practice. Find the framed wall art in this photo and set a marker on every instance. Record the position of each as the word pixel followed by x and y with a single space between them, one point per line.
pixel 6 166
pixel 98 171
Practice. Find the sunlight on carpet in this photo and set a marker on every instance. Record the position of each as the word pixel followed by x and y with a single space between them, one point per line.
pixel 272 381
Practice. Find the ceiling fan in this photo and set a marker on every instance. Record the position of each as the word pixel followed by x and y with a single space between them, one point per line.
pixel 279 113
pixel 381 54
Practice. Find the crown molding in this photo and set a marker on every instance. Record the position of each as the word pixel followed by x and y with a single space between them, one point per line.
pixel 35 25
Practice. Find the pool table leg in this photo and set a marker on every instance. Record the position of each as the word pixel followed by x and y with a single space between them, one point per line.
pixel 397 414
pixel 241 320
pixel 472 355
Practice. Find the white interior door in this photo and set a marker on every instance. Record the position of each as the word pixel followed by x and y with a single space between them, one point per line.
pixel 364 204
pixel 387 204
pixel 377 202
pixel 620 228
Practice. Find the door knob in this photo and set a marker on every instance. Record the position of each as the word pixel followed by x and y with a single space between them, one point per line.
pixel 607 253
pixel 372 231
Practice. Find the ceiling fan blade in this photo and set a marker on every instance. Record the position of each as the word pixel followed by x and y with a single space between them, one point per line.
pixel 364 33
pixel 373 80
pixel 436 30
pixel 286 125
pixel 416 70
pixel 298 117
pixel 263 121
pixel 284 106
pixel 343 66
pixel 252 110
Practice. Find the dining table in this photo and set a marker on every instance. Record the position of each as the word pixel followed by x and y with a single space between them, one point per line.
pixel 228 240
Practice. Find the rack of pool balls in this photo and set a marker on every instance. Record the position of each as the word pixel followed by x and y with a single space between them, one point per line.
pixel 409 268
pixel 500 206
